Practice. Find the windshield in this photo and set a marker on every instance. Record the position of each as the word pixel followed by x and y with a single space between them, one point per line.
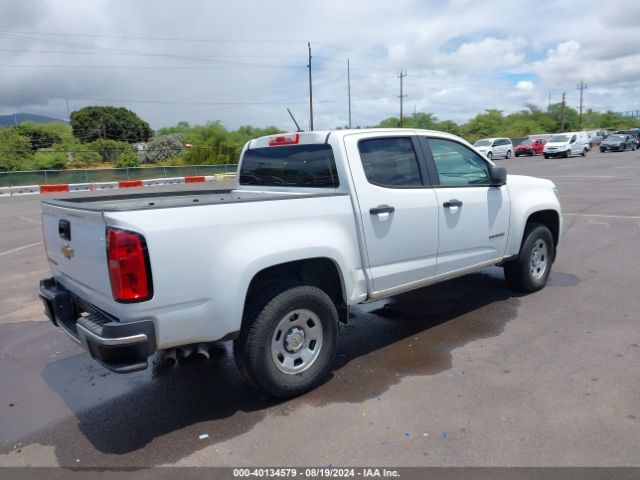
pixel 615 138
pixel 482 143
pixel 293 166
pixel 526 142
pixel 559 138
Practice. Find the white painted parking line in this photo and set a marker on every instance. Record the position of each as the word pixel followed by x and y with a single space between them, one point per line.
pixel 29 220
pixel 20 248
pixel 630 217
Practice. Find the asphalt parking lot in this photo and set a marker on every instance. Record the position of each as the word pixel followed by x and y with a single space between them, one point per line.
pixel 465 373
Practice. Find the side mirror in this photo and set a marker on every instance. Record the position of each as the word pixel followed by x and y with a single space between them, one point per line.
pixel 498 176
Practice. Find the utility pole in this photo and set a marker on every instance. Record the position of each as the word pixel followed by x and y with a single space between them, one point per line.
pixel 582 87
pixel 562 112
pixel 401 76
pixel 549 104
pixel 68 111
pixel 349 90
pixel 310 91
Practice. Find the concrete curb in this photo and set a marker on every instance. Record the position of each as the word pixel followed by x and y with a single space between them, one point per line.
pixel 85 187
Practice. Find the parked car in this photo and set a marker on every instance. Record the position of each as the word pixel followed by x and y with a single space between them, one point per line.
pixel 618 142
pixel 318 222
pixel 494 147
pixel 530 147
pixel 566 144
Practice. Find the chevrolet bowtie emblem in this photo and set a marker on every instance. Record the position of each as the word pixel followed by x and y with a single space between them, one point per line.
pixel 66 251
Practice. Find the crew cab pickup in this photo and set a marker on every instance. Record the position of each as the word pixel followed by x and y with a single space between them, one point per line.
pixel 317 222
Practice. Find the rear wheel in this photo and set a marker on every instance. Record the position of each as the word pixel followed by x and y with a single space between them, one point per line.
pixel 530 271
pixel 508 154
pixel 289 340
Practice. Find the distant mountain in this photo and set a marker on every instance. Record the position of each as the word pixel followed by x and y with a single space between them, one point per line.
pixel 8 120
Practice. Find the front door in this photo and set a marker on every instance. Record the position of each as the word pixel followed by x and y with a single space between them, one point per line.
pixel 473 216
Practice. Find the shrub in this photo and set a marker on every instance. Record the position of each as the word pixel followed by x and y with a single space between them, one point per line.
pixel 162 147
pixel 128 159
pixel 48 160
pixel 15 150
pixel 85 158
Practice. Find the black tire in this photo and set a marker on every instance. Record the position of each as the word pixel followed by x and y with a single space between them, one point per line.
pixel 546 156
pixel 521 274
pixel 602 150
pixel 566 154
pixel 531 153
pixel 489 155
pixel 253 348
pixel 508 154
pixel 584 152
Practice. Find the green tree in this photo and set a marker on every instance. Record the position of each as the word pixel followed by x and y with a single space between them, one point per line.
pixel 15 150
pixel 448 126
pixel 426 121
pixel 571 118
pixel 40 136
pixel 109 150
pixel 113 123
pixel 491 123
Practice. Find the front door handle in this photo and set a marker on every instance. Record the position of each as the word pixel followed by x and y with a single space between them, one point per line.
pixel 452 203
pixel 382 209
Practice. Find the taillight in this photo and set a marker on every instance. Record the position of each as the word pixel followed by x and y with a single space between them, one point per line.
pixel 129 269
pixel 284 139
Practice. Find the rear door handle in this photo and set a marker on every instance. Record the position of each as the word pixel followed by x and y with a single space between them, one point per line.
pixel 382 209
pixel 452 203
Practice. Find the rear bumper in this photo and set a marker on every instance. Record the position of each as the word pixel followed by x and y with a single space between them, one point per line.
pixel 120 347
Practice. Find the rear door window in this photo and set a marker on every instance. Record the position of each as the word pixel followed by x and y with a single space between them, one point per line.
pixel 390 162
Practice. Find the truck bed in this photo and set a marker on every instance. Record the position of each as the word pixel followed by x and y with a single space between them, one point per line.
pixel 157 200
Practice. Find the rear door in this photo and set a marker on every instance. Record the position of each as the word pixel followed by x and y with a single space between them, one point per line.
pixel 473 216
pixel 398 209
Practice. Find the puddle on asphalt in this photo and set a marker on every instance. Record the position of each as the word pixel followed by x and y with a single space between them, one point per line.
pixel 116 416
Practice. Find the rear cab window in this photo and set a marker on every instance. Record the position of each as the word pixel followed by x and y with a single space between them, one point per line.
pixel 310 165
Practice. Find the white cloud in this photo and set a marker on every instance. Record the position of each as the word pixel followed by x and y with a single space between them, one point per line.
pixel 461 57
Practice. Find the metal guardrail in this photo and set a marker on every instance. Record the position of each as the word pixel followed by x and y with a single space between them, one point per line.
pixel 43 177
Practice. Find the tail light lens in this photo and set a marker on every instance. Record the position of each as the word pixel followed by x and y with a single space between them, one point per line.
pixel 129 269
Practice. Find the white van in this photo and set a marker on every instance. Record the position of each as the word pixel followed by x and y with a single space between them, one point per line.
pixel 494 147
pixel 566 144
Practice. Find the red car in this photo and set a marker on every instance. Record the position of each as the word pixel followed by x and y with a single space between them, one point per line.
pixel 530 147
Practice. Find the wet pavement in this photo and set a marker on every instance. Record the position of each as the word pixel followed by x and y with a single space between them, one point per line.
pixel 462 373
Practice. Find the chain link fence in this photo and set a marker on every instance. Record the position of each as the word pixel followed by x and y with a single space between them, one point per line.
pixel 40 177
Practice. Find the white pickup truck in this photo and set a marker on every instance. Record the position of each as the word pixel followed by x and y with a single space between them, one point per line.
pixel 317 222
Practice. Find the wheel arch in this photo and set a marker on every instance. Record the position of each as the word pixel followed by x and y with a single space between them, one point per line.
pixel 550 219
pixel 321 272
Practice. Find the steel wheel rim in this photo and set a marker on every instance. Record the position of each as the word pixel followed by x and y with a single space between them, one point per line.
pixel 297 341
pixel 539 259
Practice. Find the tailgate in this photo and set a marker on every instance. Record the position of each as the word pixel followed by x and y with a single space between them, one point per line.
pixel 75 242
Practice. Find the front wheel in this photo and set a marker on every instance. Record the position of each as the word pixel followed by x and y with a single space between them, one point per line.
pixel 584 152
pixel 489 155
pixel 288 341
pixel 530 271
pixel 546 156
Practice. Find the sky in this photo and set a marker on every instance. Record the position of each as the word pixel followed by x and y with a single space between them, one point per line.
pixel 244 62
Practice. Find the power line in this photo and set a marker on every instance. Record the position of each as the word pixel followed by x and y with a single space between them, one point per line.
pixel 310 90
